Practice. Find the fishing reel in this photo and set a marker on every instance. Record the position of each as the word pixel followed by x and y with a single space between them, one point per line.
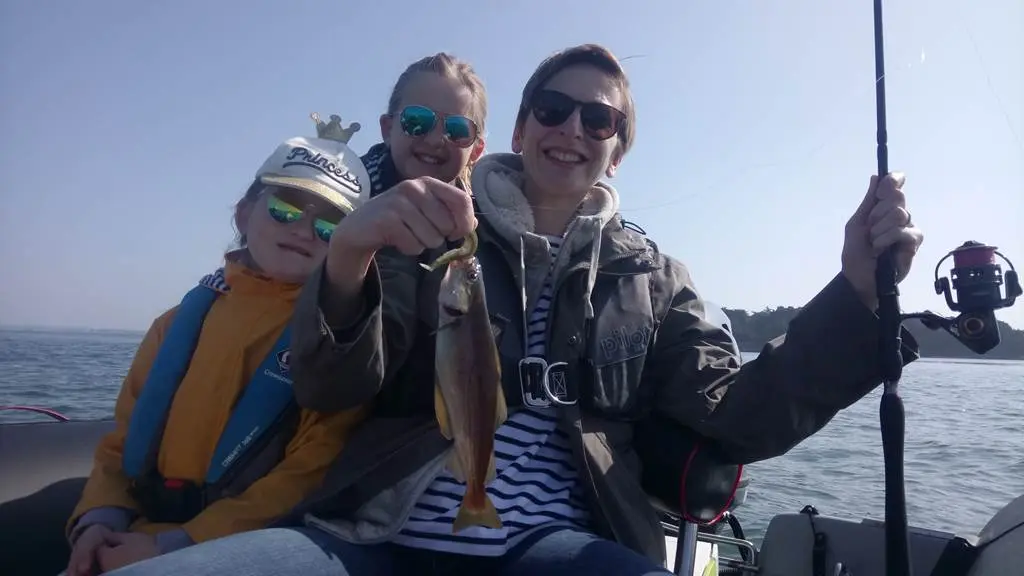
pixel 976 278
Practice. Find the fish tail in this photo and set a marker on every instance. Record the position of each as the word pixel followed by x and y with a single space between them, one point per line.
pixel 468 516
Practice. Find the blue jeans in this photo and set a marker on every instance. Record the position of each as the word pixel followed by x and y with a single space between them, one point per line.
pixel 312 552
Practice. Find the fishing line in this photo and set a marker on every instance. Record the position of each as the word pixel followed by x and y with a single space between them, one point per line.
pixel 828 122
pixel 988 80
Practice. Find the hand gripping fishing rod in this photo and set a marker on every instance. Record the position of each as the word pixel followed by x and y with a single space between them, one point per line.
pixel 976 277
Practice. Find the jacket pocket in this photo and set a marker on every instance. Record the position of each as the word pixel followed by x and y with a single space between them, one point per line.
pixel 621 335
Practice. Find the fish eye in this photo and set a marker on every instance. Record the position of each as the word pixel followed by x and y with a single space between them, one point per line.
pixel 473 276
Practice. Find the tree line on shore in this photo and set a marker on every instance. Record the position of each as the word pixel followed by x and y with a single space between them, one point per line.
pixel 753 329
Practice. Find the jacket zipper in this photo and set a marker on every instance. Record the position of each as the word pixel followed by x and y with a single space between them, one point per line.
pixel 582 467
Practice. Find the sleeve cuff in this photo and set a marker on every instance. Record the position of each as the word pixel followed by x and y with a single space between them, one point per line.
pixel 370 299
pixel 113 517
pixel 909 348
pixel 172 540
pixel 837 329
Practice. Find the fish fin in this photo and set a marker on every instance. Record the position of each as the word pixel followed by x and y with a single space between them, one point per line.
pixel 501 413
pixel 441 412
pixel 501 408
pixel 491 470
pixel 455 467
pixel 486 516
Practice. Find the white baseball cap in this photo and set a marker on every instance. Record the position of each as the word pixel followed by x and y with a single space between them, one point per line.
pixel 326 167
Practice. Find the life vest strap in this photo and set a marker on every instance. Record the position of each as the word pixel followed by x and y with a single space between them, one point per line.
pixel 265 399
pixel 170 501
pixel 256 418
pixel 149 416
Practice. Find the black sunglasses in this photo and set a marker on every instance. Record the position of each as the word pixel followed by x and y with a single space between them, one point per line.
pixel 552 108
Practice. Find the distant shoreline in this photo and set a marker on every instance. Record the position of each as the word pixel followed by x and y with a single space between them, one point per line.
pixel 954 359
pixel 753 329
pixel 69 329
pixel 934 345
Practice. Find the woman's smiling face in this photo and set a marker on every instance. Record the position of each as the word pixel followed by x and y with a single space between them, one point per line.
pixel 567 158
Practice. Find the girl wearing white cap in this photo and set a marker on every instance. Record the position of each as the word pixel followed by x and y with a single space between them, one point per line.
pixel 209 440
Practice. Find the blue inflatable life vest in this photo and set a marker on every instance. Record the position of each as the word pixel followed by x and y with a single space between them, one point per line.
pixel 267 396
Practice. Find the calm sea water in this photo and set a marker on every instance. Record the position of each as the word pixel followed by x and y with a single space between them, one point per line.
pixel 964 445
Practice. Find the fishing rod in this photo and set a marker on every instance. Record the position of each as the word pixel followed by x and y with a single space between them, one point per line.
pixel 976 278
pixel 891 415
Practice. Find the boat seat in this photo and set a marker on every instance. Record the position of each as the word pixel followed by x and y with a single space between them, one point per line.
pixel 1001 541
pixel 673 516
pixel 44 466
pixel 670 452
pixel 689 481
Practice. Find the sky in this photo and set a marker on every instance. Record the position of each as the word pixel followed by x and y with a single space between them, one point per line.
pixel 130 129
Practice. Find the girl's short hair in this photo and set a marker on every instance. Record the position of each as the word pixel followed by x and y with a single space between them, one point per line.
pixel 588 54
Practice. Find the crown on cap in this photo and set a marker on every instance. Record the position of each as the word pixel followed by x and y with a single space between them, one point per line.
pixel 332 130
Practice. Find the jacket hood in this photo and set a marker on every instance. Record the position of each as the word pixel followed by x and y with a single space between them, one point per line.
pixel 497 184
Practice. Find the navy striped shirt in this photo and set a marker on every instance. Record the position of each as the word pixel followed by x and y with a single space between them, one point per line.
pixel 536 482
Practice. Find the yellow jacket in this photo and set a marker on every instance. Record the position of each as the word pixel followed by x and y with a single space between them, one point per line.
pixel 239 331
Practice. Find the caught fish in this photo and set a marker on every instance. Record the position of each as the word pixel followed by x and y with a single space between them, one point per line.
pixel 468 399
